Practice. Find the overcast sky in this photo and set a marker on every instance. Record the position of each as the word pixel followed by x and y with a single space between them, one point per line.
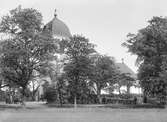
pixel 105 22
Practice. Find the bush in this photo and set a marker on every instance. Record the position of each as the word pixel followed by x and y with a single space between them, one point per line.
pixel 147 106
pixel 119 98
pixel 156 101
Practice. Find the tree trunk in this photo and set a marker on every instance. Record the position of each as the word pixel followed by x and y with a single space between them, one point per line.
pixel 128 89
pixel 33 93
pixel 61 101
pixel 144 97
pixel 33 96
pixel 60 98
pixel 98 96
pixel 23 97
pixel 75 102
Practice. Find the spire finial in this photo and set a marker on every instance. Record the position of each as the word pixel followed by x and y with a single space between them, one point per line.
pixel 55 13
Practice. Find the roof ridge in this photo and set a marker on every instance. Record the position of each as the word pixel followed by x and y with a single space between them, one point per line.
pixel 125 69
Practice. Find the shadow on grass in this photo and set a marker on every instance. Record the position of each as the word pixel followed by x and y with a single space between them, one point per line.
pixel 53 105
pixel 137 106
pixel 15 107
pixel 114 106
pixel 59 106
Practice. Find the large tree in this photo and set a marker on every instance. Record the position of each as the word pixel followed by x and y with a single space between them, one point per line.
pixel 150 46
pixel 78 50
pixel 103 73
pixel 25 48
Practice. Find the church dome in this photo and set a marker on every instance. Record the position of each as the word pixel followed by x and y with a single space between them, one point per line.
pixel 57 28
pixel 60 29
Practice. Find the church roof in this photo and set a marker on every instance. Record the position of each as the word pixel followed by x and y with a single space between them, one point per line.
pixel 123 68
pixel 60 29
pixel 57 28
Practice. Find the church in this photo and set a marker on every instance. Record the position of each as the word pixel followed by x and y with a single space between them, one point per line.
pixel 59 30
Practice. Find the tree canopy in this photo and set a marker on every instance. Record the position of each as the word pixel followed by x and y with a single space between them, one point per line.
pixel 150 46
pixel 103 72
pixel 25 50
pixel 78 50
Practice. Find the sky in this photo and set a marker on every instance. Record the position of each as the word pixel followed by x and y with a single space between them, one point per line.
pixel 105 22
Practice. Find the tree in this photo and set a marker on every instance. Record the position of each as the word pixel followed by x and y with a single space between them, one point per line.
pixel 150 44
pixel 25 48
pixel 33 88
pixel 61 87
pixel 103 73
pixel 78 50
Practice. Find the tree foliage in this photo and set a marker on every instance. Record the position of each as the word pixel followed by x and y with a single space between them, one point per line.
pixel 150 46
pixel 25 48
pixel 103 72
pixel 78 50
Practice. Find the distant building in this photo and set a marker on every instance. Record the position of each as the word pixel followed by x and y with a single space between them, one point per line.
pixel 59 30
pixel 123 68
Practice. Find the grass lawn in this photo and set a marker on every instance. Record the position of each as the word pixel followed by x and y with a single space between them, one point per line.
pixel 46 114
